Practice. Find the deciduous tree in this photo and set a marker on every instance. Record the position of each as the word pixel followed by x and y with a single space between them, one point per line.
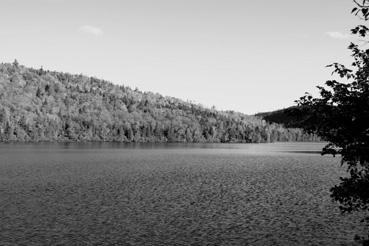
pixel 340 115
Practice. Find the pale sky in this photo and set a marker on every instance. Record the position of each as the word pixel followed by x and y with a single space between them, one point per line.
pixel 242 55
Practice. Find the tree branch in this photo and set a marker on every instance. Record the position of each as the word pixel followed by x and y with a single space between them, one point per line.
pixel 363 4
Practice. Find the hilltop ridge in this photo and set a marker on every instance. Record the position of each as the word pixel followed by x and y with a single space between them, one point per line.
pixel 40 105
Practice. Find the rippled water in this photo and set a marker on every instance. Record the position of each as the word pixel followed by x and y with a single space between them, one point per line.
pixel 194 194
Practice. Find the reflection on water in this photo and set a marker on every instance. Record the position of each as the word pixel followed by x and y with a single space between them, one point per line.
pixel 267 148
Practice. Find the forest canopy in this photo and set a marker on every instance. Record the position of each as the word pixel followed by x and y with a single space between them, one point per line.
pixel 39 105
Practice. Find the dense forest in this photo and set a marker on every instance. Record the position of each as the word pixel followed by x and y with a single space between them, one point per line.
pixel 292 117
pixel 39 105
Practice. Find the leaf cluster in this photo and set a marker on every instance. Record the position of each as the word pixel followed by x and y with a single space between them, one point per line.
pixel 341 116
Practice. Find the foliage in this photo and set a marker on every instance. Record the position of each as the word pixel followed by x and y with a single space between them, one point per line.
pixel 291 117
pixel 39 105
pixel 341 116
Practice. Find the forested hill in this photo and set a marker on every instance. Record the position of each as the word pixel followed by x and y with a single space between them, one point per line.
pixel 293 117
pixel 288 117
pixel 39 105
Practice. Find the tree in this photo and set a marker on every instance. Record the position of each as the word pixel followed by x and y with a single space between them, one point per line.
pixel 16 63
pixel 41 105
pixel 341 116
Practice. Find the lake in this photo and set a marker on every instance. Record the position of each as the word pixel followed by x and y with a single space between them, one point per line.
pixel 171 194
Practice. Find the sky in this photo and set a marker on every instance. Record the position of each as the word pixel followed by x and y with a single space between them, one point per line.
pixel 241 55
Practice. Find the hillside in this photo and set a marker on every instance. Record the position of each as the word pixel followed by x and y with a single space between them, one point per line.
pixel 38 105
pixel 289 117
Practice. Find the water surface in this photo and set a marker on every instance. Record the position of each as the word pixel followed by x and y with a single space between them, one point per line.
pixel 170 194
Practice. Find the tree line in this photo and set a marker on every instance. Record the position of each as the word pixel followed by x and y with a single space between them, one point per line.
pixel 40 105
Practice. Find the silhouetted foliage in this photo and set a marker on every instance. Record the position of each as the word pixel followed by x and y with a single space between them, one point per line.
pixel 39 105
pixel 341 116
